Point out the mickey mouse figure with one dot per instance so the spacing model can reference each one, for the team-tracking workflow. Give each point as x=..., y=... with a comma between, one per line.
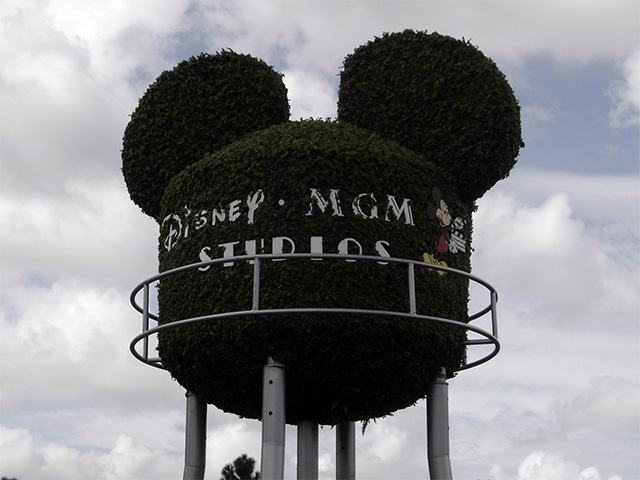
x=452, y=238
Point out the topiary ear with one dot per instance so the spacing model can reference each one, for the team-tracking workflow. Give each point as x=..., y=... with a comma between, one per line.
x=201, y=105
x=438, y=96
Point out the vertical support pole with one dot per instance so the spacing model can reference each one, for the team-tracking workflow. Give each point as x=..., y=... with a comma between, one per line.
x=494, y=313
x=438, y=428
x=273, y=421
x=145, y=321
x=195, y=438
x=346, y=451
x=255, y=303
x=412, y=290
x=307, y=450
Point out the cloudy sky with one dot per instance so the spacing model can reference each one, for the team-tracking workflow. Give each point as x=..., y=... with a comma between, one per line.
x=559, y=238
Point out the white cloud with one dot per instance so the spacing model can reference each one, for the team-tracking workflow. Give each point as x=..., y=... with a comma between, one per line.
x=574, y=31
x=625, y=94
x=122, y=37
x=562, y=251
x=18, y=451
x=310, y=95
x=282, y=32
x=81, y=333
x=92, y=232
x=607, y=405
x=558, y=262
x=66, y=88
x=229, y=438
x=26, y=457
x=325, y=464
x=537, y=118
x=385, y=443
x=541, y=465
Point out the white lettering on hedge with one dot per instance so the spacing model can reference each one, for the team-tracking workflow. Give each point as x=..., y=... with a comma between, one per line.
x=175, y=226
x=322, y=203
x=253, y=202
x=278, y=245
x=218, y=215
x=364, y=205
x=382, y=250
x=175, y=231
x=357, y=206
x=186, y=223
x=201, y=220
x=315, y=246
x=343, y=247
x=228, y=251
x=234, y=210
x=204, y=257
x=404, y=210
x=286, y=245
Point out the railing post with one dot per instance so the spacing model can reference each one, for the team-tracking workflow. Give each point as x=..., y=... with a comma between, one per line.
x=412, y=290
x=494, y=313
x=256, y=284
x=145, y=319
x=273, y=421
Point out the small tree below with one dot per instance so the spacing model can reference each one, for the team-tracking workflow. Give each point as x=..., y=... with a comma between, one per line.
x=242, y=468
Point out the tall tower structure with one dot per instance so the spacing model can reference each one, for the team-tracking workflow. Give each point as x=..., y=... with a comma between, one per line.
x=317, y=272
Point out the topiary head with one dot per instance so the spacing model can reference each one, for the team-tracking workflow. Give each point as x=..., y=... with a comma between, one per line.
x=438, y=96
x=198, y=107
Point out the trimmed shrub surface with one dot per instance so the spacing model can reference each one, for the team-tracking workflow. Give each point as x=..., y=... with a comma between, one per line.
x=338, y=368
x=198, y=107
x=436, y=95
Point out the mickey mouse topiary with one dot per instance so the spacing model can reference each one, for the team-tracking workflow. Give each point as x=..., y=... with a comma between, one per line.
x=271, y=186
x=439, y=96
x=199, y=106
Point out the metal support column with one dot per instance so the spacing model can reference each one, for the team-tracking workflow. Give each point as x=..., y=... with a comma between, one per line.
x=195, y=438
x=307, y=450
x=346, y=451
x=273, y=421
x=438, y=428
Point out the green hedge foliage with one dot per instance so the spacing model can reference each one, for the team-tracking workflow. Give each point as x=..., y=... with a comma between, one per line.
x=199, y=106
x=338, y=368
x=439, y=96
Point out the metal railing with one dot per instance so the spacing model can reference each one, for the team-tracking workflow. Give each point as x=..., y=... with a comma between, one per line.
x=488, y=338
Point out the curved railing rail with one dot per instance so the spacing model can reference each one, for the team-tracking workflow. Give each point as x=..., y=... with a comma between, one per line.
x=489, y=338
